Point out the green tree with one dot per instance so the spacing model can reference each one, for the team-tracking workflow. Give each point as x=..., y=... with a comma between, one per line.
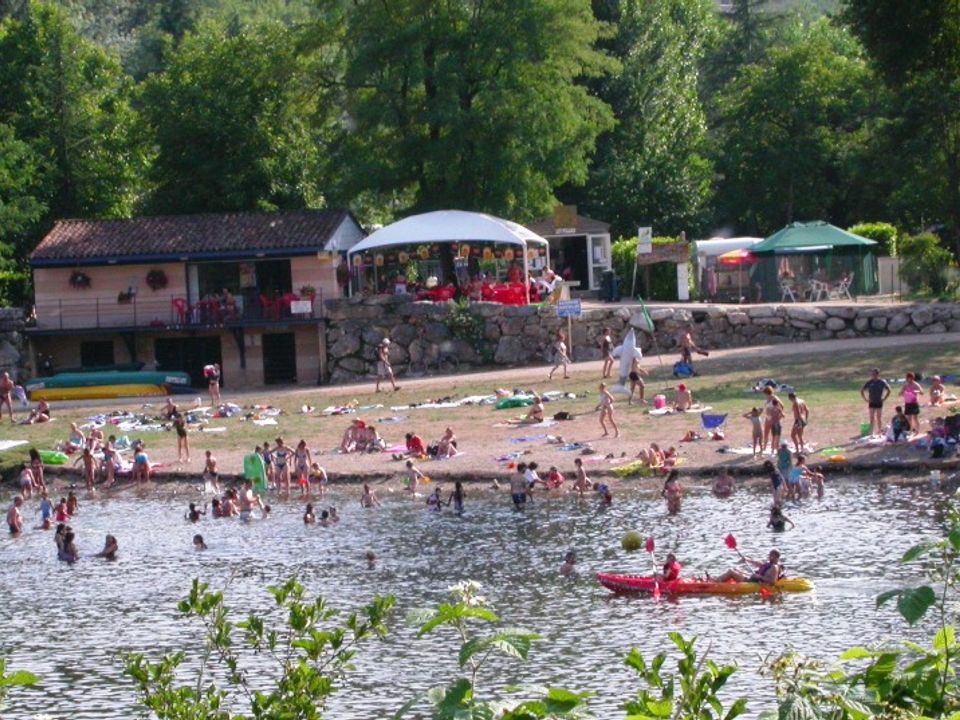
x=19, y=207
x=466, y=104
x=232, y=126
x=917, y=50
x=69, y=102
x=653, y=166
x=789, y=123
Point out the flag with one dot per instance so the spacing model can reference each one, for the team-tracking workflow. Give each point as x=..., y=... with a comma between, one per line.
x=648, y=321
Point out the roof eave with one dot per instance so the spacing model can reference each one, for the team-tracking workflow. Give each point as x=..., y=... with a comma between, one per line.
x=246, y=254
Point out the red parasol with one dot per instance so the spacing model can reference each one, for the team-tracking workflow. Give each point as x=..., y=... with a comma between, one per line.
x=736, y=258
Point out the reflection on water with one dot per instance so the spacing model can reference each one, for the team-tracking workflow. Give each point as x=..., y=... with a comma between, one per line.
x=68, y=624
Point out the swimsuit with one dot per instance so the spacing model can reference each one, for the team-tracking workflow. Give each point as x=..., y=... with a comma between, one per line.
x=635, y=376
x=519, y=498
x=794, y=477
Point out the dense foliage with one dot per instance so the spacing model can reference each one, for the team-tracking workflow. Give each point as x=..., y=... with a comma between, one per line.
x=672, y=113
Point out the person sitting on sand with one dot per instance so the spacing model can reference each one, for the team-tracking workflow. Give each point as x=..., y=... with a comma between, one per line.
x=684, y=399
x=352, y=436
x=447, y=444
x=724, y=484
x=75, y=441
x=110, y=548
x=40, y=414
x=370, y=440
x=535, y=413
x=415, y=448
x=652, y=458
x=764, y=572
x=937, y=391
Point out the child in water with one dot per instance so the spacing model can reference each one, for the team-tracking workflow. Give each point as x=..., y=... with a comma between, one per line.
x=778, y=521
x=193, y=515
x=434, y=501
x=456, y=498
x=756, y=429
x=569, y=566
x=673, y=492
x=198, y=543
x=308, y=517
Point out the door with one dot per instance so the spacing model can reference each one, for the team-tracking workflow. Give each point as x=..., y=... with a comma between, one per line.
x=279, y=359
x=599, y=256
x=96, y=353
x=189, y=355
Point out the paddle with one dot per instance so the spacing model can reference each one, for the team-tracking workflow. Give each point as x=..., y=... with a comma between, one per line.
x=649, y=545
x=731, y=543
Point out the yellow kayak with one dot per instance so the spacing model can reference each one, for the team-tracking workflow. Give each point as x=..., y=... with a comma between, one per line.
x=97, y=392
x=697, y=586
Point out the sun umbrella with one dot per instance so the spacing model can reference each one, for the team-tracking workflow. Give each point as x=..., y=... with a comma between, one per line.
x=738, y=259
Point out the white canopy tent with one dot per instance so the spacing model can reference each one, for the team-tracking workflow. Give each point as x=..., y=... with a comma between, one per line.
x=450, y=226
x=707, y=254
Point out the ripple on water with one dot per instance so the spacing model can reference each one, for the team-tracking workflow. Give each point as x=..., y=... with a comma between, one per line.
x=70, y=624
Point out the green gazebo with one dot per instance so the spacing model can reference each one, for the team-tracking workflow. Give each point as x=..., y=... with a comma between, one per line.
x=802, y=252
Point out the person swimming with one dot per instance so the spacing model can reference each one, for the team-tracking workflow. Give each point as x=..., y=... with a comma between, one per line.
x=110, y=548
x=193, y=515
x=569, y=566
x=198, y=543
x=308, y=517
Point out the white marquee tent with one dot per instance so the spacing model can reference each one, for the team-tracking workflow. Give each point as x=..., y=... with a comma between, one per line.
x=450, y=226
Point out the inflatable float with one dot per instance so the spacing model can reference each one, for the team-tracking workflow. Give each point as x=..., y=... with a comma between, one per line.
x=695, y=586
x=97, y=392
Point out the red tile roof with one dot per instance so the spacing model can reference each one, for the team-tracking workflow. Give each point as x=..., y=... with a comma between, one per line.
x=149, y=239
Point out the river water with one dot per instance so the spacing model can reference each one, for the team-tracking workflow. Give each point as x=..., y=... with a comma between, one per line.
x=69, y=624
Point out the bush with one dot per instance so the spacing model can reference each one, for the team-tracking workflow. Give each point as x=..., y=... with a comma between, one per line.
x=925, y=264
x=14, y=288
x=883, y=233
x=663, y=276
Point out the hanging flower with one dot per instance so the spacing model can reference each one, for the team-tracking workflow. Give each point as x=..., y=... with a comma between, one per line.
x=508, y=254
x=423, y=252
x=79, y=280
x=156, y=279
x=378, y=260
x=404, y=257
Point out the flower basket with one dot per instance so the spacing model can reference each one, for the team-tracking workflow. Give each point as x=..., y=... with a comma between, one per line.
x=79, y=280
x=125, y=297
x=308, y=291
x=157, y=280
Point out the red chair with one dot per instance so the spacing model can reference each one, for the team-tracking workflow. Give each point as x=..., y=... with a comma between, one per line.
x=181, y=308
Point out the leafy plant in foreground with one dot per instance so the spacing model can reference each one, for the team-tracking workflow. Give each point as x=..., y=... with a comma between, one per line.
x=16, y=678
x=903, y=681
x=458, y=700
x=691, y=693
x=309, y=656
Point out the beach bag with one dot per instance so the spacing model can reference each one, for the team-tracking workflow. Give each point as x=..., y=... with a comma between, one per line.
x=562, y=415
x=682, y=370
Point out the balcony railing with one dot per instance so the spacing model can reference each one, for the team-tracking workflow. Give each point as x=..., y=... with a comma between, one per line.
x=173, y=312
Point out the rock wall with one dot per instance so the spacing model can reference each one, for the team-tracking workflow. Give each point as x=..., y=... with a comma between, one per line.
x=14, y=356
x=423, y=334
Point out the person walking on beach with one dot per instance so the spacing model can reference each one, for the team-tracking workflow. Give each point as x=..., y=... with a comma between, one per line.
x=688, y=346
x=560, y=357
x=384, y=369
x=636, y=381
x=874, y=392
x=606, y=352
x=606, y=411
x=911, y=392
x=6, y=395
x=801, y=416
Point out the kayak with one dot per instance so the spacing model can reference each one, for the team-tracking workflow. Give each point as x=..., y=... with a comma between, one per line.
x=142, y=377
x=97, y=392
x=695, y=586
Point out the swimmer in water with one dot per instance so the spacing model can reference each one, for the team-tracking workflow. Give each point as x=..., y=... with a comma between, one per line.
x=434, y=501
x=334, y=517
x=569, y=567
x=308, y=517
x=456, y=498
x=14, y=519
x=325, y=518
x=371, y=559
x=69, y=552
x=778, y=521
x=193, y=515
x=368, y=498
x=46, y=512
x=110, y=548
x=198, y=543
x=73, y=505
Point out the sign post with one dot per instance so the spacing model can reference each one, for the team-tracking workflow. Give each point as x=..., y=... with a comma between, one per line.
x=644, y=247
x=569, y=309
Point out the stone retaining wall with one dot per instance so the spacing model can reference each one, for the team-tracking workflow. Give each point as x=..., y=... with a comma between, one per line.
x=510, y=335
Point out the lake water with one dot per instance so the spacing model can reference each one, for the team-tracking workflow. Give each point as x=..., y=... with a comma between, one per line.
x=68, y=624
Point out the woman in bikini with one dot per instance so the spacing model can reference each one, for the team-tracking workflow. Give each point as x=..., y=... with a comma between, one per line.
x=281, y=458
x=773, y=415
x=911, y=392
x=606, y=411
x=303, y=461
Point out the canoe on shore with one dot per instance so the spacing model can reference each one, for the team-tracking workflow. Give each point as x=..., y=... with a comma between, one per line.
x=97, y=392
x=108, y=378
x=620, y=583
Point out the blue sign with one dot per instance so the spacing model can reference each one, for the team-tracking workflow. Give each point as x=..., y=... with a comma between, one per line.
x=569, y=308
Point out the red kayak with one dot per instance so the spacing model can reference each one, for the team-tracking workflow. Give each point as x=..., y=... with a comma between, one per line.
x=620, y=583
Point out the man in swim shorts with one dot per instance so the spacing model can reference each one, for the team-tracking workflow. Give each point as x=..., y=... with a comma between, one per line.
x=384, y=369
x=248, y=500
x=764, y=572
x=14, y=519
x=874, y=392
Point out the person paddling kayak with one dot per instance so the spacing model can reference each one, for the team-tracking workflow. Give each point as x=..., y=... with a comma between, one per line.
x=765, y=572
x=671, y=569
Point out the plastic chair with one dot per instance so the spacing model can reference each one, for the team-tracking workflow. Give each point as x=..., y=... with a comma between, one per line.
x=786, y=291
x=713, y=423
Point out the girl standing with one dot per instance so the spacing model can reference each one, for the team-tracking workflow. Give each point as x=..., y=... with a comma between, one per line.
x=606, y=411
x=911, y=392
x=673, y=492
x=281, y=458
x=303, y=460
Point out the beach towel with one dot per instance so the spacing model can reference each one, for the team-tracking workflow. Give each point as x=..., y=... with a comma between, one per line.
x=393, y=419
x=527, y=438
x=9, y=444
x=744, y=450
x=637, y=467
x=264, y=421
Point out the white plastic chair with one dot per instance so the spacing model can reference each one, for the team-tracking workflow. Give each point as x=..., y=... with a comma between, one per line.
x=786, y=291
x=842, y=288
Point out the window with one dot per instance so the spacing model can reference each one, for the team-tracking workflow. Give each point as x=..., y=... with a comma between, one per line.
x=96, y=353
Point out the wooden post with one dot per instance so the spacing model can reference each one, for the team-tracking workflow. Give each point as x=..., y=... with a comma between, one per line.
x=570, y=337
